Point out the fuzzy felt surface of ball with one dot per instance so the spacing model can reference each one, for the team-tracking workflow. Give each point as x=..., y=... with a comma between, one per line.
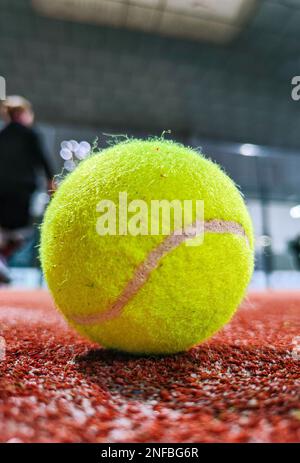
x=145, y=293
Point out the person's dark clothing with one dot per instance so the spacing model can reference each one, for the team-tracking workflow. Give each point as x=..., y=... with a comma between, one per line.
x=14, y=210
x=21, y=157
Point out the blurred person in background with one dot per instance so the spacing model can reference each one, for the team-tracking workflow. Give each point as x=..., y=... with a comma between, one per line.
x=294, y=246
x=22, y=157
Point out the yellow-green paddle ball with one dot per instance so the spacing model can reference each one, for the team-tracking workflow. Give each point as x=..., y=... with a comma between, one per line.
x=146, y=293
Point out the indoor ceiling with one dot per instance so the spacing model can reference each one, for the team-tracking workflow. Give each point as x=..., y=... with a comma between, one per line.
x=213, y=20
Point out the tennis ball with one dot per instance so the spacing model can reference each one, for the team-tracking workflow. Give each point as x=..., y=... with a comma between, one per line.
x=146, y=293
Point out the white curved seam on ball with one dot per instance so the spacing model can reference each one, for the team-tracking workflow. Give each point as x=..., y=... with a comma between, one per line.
x=144, y=270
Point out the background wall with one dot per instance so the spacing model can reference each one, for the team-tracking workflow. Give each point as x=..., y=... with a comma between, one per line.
x=104, y=77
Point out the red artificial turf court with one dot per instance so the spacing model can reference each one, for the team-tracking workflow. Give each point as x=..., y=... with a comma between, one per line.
x=241, y=386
